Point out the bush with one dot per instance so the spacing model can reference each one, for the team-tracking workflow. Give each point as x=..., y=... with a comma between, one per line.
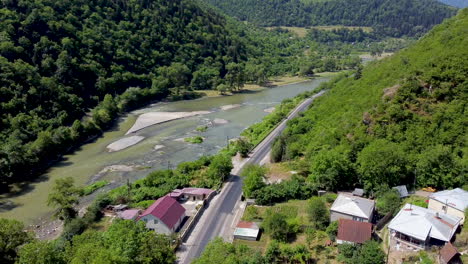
x=93, y=187
x=332, y=230
x=388, y=202
x=318, y=213
x=194, y=140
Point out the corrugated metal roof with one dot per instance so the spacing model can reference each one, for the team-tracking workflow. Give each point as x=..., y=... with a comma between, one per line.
x=448, y=252
x=456, y=198
x=166, y=209
x=352, y=205
x=246, y=232
x=421, y=222
x=402, y=190
x=245, y=224
x=354, y=231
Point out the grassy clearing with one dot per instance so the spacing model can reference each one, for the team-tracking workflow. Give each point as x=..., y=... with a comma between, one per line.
x=278, y=171
x=299, y=31
x=330, y=28
x=273, y=82
x=94, y=187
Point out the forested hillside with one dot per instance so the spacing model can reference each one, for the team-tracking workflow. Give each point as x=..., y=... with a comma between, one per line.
x=402, y=120
x=456, y=3
x=388, y=17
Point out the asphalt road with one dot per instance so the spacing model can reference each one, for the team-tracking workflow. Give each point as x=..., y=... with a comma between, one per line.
x=218, y=219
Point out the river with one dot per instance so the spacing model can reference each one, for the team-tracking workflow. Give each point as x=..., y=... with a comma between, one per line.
x=85, y=164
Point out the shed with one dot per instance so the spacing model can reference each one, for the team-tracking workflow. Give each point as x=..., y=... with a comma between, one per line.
x=402, y=191
x=247, y=231
x=449, y=255
x=358, y=192
x=130, y=214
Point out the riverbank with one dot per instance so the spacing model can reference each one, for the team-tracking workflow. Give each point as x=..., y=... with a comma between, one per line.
x=274, y=82
x=87, y=163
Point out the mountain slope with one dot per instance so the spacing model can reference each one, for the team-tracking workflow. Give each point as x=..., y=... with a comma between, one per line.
x=60, y=59
x=388, y=17
x=403, y=121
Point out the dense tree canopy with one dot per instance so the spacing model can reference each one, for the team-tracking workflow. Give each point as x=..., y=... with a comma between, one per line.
x=402, y=122
x=387, y=17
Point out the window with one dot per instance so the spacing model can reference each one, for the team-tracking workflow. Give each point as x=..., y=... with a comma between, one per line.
x=444, y=208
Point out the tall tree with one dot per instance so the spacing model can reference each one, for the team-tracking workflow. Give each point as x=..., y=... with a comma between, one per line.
x=64, y=197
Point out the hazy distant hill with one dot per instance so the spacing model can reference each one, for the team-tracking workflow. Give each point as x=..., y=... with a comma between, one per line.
x=456, y=3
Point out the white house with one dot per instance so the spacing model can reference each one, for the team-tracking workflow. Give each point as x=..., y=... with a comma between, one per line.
x=353, y=208
x=418, y=228
x=453, y=202
x=164, y=216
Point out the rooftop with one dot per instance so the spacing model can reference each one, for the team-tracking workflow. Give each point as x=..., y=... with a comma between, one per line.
x=247, y=229
x=448, y=252
x=166, y=209
x=352, y=205
x=421, y=222
x=129, y=214
x=402, y=191
x=456, y=198
x=354, y=231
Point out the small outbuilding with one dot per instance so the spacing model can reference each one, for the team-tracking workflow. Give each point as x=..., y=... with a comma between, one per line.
x=353, y=232
x=130, y=214
x=192, y=194
x=358, y=192
x=402, y=191
x=449, y=255
x=247, y=231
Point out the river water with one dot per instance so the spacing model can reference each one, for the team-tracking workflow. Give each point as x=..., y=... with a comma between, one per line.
x=85, y=164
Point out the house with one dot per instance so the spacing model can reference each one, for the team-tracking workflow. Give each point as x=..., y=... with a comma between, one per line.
x=164, y=216
x=453, y=202
x=353, y=232
x=130, y=214
x=402, y=191
x=352, y=207
x=247, y=231
x=191, y=194
x=418, y=228
x=449, y=255
x=358, y=192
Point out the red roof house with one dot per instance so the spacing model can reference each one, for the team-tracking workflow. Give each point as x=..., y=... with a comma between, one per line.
x=350, y=231
x=164, y=216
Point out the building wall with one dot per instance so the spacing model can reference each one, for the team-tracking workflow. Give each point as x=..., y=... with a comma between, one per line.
x=157, y=225
x=339, y=241
x=438, y=206
x=335, y=216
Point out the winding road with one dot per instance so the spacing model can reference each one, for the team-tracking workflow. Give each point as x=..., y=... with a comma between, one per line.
x=220, y=218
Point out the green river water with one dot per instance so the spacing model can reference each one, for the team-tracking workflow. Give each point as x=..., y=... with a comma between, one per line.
x=84, y=165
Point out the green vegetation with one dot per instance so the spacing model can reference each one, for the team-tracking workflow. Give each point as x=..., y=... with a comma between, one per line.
x=253, y=179
x=318, y=213
x=64, y=197
x=194, y=140
x=202, y=128
x=219, y=251
x=368, y=253
x=66, y=78
x=403, y=119
x=388, y=202
x=387, y=17
x=124, y=242
x=94, y=187
x=12, y=237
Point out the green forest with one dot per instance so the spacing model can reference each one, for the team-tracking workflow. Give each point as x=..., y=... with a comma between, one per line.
x=401, y=120
x=69, y=68
x=394, y=18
